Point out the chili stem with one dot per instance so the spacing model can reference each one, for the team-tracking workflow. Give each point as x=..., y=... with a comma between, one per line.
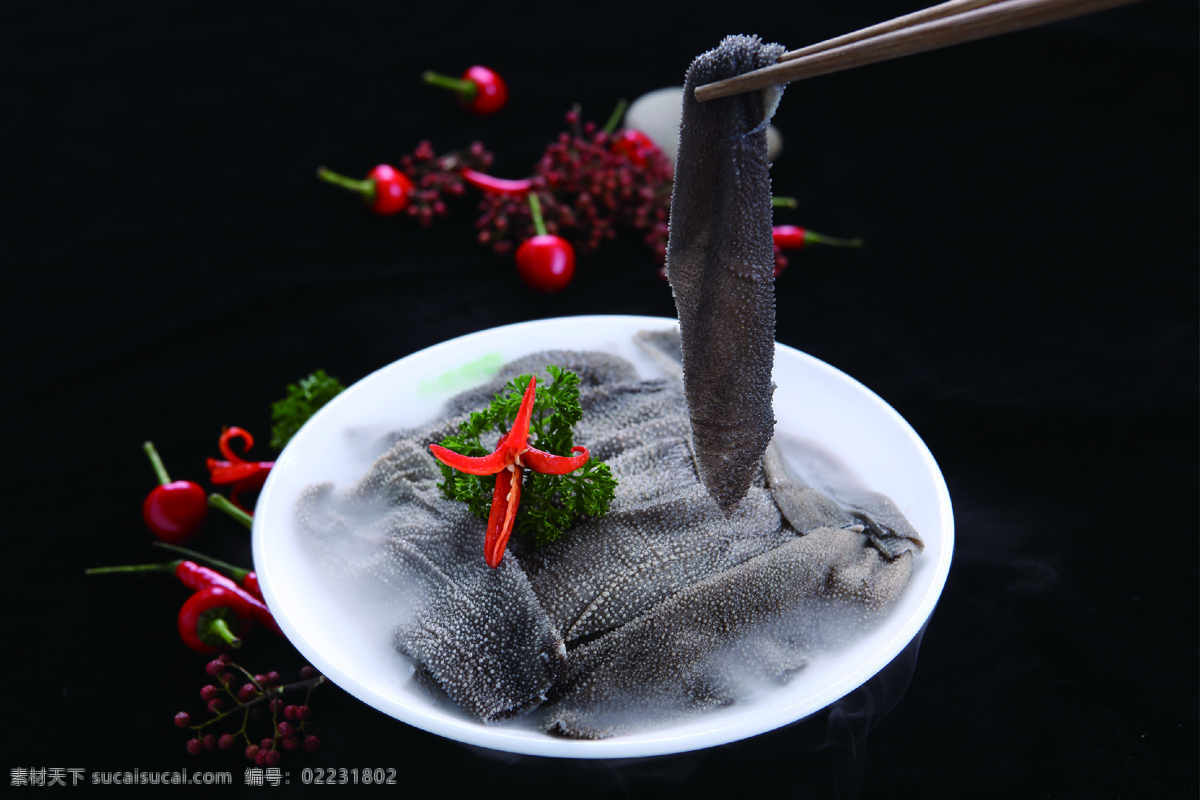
x=222, y=503
x=238, y=573
x=364, y=187
x=535, y=208
x=816, y=238
x=784, y=202
x=132, y=568
x=464, y=87
x=159, y=469
x=615, y=119
x=220, y=628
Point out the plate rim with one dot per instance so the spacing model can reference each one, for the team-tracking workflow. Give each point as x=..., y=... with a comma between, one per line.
x=650, y=743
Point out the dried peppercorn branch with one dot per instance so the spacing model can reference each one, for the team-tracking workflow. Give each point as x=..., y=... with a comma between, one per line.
x=287, y=735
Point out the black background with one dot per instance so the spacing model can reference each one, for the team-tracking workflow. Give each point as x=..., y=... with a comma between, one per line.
x=1027, y=300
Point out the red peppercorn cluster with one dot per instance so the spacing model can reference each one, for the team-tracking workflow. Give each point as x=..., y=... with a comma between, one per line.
x=436, y=178
x=588, y=187
x=258, y=699
x=587, y=184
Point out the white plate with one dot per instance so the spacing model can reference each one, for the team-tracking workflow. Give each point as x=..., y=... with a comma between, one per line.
x=813, y=401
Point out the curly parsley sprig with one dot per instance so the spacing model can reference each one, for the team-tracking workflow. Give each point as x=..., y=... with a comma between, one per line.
x=550, y=504
x=302, y=401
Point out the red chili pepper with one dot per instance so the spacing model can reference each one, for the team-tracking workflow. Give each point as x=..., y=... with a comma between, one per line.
x=214, y=619
x=492, y=185
x=791, y=237
x=250, y=584
x=546, y=262
x=479, y=89
x=248, y=579
x=175, y=510
x=195, y=576
x=634, y=145
x=506, y=462
x=244, y=476
x=385, y=190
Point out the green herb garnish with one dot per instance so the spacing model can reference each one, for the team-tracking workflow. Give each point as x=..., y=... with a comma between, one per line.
x=302, y=401
x=550, y=504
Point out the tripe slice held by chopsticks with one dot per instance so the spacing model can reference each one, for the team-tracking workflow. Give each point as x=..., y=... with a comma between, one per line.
x=720, y=262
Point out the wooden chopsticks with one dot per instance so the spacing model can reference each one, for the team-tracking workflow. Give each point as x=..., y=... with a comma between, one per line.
x=939, y=26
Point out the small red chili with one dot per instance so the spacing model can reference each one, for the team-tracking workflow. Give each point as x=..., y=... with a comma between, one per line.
x=507, y=462
x=248, y=579
x=174, y=510
x=242, y=475
x=479, y=89
x=496, y=185
x=791, y=237
x=195, y=576
x=385, y=190
x=214, y=619
x=546, y=262
x=634, y=145
x=250, y=584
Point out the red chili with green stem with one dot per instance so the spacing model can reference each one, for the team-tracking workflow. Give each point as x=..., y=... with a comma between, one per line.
x=385, y=190
x=633, y=144
x=479, y=89
x=246, y=578
x=792, y=237
x=174, y=510
x=195, y=576
x=546, y=262
x=262, y=690
x=214, y=619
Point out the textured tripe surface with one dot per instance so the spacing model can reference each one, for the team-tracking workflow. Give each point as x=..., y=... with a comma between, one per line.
x=663, y=608
x=720, y=261
x=717, y=641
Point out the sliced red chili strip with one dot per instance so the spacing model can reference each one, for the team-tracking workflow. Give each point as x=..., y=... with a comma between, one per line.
x=505, y=500
x=496, y=185
x=550, y=464
x=518, y=437
x=227, y=436
x=472, y=465
x=238, y=472
x=511, y=455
